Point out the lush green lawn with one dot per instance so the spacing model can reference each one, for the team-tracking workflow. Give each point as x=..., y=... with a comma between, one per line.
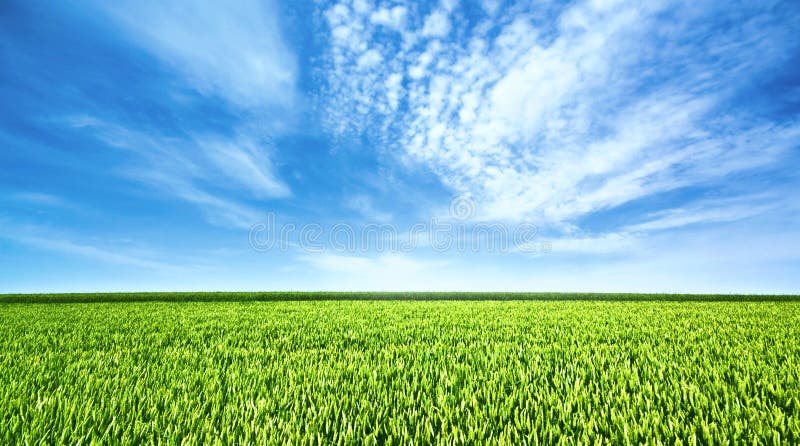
x=520, y=371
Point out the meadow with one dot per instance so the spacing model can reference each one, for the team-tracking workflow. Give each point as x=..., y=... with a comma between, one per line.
x=274, y=368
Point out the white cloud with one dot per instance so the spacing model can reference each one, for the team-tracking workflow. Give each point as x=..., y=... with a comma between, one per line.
x=550, y=125
x=708, y=211
x=369, y=59
x=235, y=51
x=57, y=241
x=639, y=237
x=244, y=161
x=449, y=5
x=364, y=205
x=218, y=209
x=184, y=167
x=437, y=24
x=394, y=18
x=39, y=198
x=490, y=6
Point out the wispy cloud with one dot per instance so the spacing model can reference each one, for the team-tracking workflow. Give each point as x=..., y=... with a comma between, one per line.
x=39, y=198
x=602, y=104
x=364, y=205
x=234, y=55
x=709, y=211
x=245, y=161
x=48, y=239
x=218, y=209
x=186, y=168
x=633, y=238
x=234, y=51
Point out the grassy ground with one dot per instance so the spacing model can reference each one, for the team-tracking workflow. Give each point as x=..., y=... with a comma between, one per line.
x=514, y=371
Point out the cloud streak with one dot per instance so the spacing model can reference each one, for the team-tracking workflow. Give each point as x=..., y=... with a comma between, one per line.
x=232, y=51
x=197, y=169
x=722, y=210
x=31, y=235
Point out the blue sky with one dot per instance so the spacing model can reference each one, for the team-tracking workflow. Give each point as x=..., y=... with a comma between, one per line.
x=653, y=146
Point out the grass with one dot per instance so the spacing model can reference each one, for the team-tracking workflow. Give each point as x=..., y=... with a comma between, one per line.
x=263, y=368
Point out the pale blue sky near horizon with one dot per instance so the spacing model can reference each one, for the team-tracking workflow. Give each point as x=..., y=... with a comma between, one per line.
x=652, y=145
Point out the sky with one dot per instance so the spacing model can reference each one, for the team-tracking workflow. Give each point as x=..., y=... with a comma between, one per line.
x=603, y=145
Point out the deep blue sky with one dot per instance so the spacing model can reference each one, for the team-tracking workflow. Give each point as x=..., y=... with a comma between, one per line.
x=652, y=145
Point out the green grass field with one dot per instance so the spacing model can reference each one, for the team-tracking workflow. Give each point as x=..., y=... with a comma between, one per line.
x=277, y=368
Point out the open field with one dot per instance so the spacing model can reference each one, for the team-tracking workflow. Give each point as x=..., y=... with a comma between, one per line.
x=273, y=368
